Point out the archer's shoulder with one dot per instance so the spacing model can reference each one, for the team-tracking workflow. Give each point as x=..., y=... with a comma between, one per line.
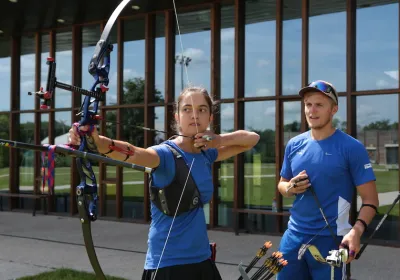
x=162, y=148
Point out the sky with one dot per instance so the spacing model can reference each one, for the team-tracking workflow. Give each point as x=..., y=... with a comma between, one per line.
x=377, y=65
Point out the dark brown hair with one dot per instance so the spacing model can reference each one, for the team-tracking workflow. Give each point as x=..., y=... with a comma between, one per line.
x=210, y=102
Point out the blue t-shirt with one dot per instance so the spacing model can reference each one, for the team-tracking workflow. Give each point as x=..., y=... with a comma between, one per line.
x=335, y=166
x=188, y=241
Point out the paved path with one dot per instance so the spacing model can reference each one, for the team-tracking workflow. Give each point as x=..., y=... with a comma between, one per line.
x=30, y=245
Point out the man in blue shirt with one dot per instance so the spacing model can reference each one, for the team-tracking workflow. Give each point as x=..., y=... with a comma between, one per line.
x=335, y=165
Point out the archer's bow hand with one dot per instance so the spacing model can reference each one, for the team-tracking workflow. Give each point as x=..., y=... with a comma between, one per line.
x=351, y=241
x=76, y=132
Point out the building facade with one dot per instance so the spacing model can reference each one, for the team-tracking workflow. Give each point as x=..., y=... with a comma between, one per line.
x=253, y=56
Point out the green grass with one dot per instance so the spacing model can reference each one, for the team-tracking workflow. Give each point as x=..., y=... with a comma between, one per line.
x=66, y=274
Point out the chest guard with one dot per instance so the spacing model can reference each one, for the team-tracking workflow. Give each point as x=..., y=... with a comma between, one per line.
x=167, y=198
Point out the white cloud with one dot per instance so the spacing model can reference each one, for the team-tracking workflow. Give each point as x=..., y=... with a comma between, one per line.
x=263, y=92
x=367, y=114
x=392, y=74
x=227, y=35
x=228, y=113
x=128, y=74
x=382, y=83
x=226, y=58
x=270, y=111
x=198, y=56
x=262, y=62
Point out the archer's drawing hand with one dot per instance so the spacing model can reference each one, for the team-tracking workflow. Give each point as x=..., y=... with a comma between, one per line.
x=207, y=140
x=76, y=131
x=299, y=183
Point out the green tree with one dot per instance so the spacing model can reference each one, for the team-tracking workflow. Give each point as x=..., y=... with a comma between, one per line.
x=134, y=90
x=381, y=125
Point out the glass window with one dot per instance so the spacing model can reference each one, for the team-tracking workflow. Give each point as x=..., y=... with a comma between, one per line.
x=225, y=190
x=134, y=61
x=291, y=47
x=133, y=184
x=291, y=128
x=159, y=119
x=27, y=78
x=340, y=119
x=4, y=156
x=160, y=58
x=63, y=171
x=26, y=133
x=44, y=68
x=113, y=73
x=377, y=44
x=260, y=48
x=64, y=68
x=5, y=73
x=108, y=190
x=377, y=129
x=227, y=51
x=259, y=185
x=193, y=65
x=90, y=36
x=26, y=159
x=327, y=51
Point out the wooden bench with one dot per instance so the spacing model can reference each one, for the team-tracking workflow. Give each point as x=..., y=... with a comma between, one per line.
x=36, y=197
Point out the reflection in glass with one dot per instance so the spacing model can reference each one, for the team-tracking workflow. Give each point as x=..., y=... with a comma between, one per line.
x=260, y=48
x=259, y=166
x=377, y=41
x=90, y=36
x=133, y=184
x=291, y=128
x=327, y=52
x=377, y=129
x=64, y=68
x=26, y=163
x=113, y=74
x=291, y=47
x=27, y=80
x=5, y=73
x=193, y=65
x=4, y=156
x=44, y=68
x=108, y=190
x=160, y=56
x=225, y=190
x=340, y=119
x=227, y=51
x=63, y=171
x=159, y=119
x=134, y=61
x=260, y=161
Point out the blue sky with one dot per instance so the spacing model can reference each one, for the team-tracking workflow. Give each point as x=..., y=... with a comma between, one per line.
x=377, y=65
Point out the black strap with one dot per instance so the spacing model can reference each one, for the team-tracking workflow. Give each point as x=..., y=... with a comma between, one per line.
x=370, y=205
x=364, y=224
